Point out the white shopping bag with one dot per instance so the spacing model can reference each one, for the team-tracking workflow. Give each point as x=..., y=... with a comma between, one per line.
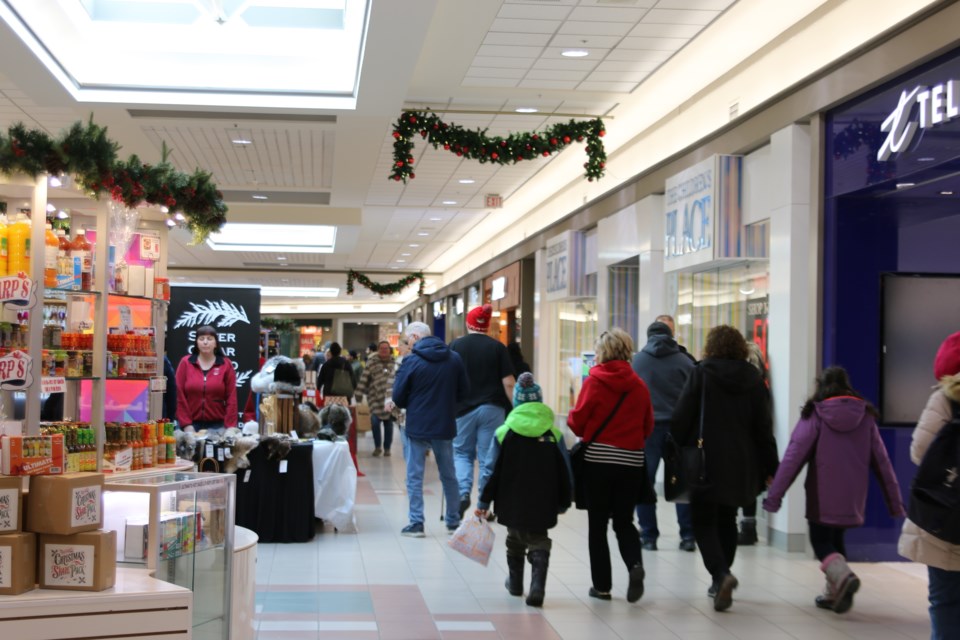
x=474, y=539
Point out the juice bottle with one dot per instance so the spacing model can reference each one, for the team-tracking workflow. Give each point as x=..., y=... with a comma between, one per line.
x=149, y=446
x=18, y=246
x=171, y=443
x=3, y=245
x=50, y=249
x=83, y=250
x=160, y=439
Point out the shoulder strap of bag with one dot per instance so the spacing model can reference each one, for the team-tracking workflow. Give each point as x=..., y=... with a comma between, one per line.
x=703, y=398
x=609, y=418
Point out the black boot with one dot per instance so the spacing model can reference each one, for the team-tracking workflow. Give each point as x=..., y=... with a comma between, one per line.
x=748, y=532
x=514, y=582
x=539, y=561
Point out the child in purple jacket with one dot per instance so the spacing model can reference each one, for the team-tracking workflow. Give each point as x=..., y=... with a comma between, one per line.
x=838, y=436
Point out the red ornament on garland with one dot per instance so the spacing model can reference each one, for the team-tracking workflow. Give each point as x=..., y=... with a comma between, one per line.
x=566, y=139
x=396, y=135
x=494, y=155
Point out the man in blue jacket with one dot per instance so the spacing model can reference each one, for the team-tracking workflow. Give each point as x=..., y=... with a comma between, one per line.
x=429, y=384
x=665, y=368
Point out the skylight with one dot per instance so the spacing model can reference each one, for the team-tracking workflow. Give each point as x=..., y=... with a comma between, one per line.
x=283, y=238
x=299, y=292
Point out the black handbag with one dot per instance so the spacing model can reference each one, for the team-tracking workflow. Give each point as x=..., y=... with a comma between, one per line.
x=578, y=454
x=685, y=468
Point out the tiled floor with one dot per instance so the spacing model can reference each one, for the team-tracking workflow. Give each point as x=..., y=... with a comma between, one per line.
x=377, y=584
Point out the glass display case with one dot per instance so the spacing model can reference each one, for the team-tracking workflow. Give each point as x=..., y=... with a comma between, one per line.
x=180, y=526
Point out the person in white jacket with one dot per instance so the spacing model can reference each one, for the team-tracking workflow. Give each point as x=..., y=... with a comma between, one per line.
x=942, y=558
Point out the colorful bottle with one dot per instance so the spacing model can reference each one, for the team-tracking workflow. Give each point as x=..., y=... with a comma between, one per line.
x=4, y=250
x=149, y=446
x=50, y=249
x=171, y=443
x=83, y=250
x=18, y=246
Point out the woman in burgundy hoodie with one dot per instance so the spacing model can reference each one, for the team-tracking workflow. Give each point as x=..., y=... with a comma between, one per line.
x=614, y=467
x=838, y=436
x=206, y=386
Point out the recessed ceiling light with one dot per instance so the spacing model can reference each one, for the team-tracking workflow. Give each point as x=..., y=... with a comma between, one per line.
x=242, y=141
x=904, y=185
x=281, y=257
x=258, y=196
x=449, y=202
x=574, y=53
x=423, y=234
x=55, y=181
x=63, y=215
x=946, y=193
x=466, y=180
x=413, y=246
x=50, y=208
x=435, y=219
x=926, y=159
x=526, y=109
x=406, y=255
x=171, y=223
x=164, y=210
x=179, y=217
x=401, y=261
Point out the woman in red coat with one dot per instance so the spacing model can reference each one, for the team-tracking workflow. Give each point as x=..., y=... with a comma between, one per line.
x=614, y=466
x=206, y=386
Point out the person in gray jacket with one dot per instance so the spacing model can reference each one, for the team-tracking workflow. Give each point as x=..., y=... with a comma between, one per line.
x=665, y=369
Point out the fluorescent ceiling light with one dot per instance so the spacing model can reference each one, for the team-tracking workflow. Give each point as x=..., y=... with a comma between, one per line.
x=423, y=234
x=286, y=238
x=526, y=109
x=449, y=202
x=406, y=255
x=926, y=159
x=281, y=257
x=466, y=180
x=242, y=141
x=300, y=292
x=435, y=219
x=574, y=53
x=258, y=196
x=401, y=261
x=904, y=185
x=55, y=181
x=413, y=246
x=946, y=193
x=50, y=208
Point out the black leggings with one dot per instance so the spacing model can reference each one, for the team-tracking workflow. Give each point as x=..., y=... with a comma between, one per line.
x=715, y=528
x=826, y=540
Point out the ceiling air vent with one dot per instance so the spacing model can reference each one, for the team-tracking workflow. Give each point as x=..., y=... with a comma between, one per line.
x=286, y=266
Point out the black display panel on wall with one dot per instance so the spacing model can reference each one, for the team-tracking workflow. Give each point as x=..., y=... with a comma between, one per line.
x=233, y=311
x=918, y=311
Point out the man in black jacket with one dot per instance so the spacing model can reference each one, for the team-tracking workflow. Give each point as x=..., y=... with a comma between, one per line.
x=665, y=369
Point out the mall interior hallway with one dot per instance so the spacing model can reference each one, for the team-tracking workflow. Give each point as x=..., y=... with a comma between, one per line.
x=377, y=584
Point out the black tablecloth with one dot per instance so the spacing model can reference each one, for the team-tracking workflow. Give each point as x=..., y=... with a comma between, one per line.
x=278, y=507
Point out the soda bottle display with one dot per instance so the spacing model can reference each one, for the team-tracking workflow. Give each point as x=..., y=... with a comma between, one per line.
x=18, y=246
x=83, y=250
x=50, y=249
x=4, y=248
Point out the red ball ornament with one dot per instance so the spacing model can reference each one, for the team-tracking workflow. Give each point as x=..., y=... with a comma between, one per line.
x=494, y=155
x=579, y=138
x=409, y=160
x=396, y=135
x=529, y=147
x=413, y=120
x=399, y=163
x=602, y=133
x=546, y=153
x=534, y=137
x=603, y=164
x=503, y=143
x=423, y=133
x=566, y=139
x=446, y=147
x=459, y=154
x=553, y=141
x=412, y=175
x=435, y=126
x=397, y=177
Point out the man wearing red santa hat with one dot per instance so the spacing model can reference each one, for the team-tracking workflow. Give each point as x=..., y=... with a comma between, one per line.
x=486, y=406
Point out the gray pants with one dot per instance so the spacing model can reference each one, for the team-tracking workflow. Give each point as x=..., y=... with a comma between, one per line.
x=519, y=542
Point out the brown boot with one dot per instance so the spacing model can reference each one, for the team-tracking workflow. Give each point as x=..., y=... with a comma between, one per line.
x=842, y=580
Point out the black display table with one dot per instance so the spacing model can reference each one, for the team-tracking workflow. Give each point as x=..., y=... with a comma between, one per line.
x=277, y=506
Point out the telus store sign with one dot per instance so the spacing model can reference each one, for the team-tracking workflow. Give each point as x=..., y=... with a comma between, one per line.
x=919, y=108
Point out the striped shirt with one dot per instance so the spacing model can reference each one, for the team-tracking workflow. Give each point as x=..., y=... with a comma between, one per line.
x=609, y=454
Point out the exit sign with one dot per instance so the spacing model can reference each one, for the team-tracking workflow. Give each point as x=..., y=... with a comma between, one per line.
x=493, y=201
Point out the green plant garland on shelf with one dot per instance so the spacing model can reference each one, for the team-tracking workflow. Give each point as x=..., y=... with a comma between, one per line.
x=476, y=145
x=86, y=153
x=280, y=325
x=384, y=289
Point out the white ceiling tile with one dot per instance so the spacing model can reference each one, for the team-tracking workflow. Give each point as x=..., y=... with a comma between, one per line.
x=666, y=30
x=486, y=72
x=505, y=51
x=538, y=11
x=611, y=14
x=525, y=26
x=502, y=63
x=596, y=28
x=627, y=65
x=487, y=82
x=571, y=64
x=639, y=55
x=616, y=87
x=515, y=39
x=617, y=76
x=591, y=43
x=680, y=16
x=547, y=84
x=712, y=5
x=656, y=44
x=546, y=74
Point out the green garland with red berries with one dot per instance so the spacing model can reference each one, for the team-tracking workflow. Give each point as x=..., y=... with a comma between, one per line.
x=384, y=289
x=86, y=153
x=476, y=145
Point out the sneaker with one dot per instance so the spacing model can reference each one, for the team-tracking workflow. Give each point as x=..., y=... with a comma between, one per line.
x=599, y=595
x=649, y=545
x=377, y=452
x=712, y=590
x=464, y=504
x=451, y=528
x=635, y=586
x=724, y=598
x=688, y=545
x=386, y=453
x=413, y=530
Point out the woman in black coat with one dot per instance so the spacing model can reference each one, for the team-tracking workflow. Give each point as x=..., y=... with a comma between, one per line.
x=738, y=444
x=327, y=372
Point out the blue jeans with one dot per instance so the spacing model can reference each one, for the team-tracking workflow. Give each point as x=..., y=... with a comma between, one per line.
x=944, y=596
x=375, y=423
x=474, y=432
x=647, y=513
x=415, y=455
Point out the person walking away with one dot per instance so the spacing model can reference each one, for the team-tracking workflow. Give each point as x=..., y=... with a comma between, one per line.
x=665, y=370
x=941, y=557
x=613, y=397
x=487, y=403
x=529, y=486
x=748, y=523
x=429, y=384
x=327, y=376
x=837, y=436
x=206, y=386
x=727, y=399
x=516, y=357
x=376, y=382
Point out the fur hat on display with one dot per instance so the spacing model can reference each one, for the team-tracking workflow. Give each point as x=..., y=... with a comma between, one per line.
x=336, y=417
x=478, y=319
x=947, y=362
x=279, y=374
x=526, y=390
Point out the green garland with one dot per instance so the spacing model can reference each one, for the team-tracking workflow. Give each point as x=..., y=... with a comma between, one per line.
x=476, y=145
x=384, y=289
x=280, y=325
x=85, y=152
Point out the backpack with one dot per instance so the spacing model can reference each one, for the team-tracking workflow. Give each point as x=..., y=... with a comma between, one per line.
x=935, y=492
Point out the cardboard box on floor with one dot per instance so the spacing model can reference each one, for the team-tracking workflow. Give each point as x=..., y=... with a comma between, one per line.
x=18, y=563
x=81, y=562
x=11, y=504
x=64, y=505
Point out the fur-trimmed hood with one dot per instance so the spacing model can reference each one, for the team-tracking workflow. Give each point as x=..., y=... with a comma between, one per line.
x=950, y=385
x=267, y=380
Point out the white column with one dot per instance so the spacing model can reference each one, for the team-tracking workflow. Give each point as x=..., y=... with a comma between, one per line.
x=794, y=307
x=652, y=284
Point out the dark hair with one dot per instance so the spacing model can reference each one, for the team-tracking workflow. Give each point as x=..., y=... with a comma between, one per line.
x=373, y=346
x=335, y=349
x=833, y=382
x=353, y=353
x=206, y=330
x=377, y=346
x=725, y=342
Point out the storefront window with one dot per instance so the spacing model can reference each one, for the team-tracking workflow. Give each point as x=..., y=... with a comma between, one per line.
x=623, y=296
x=578, y=333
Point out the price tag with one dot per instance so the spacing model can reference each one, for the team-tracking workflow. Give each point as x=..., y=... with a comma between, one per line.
x=158, y=384
x=149, y=247
x=126, y=319
x=209, y=450
x=220, y=454
x=293, y=434
x=123, y=459
x=53, y=385
x=246, y=476
x=283, y=466
x=228, y=453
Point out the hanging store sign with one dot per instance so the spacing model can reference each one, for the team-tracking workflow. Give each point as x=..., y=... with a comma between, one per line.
x=15, y=371
x=564, y=266
x=919, y=108
x=703, y=213
x=19, y=290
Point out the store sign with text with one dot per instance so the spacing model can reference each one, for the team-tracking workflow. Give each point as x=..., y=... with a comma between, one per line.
x=702, y=213
x=919, y=108
x=564, y=265
x=15, y=371
x=19, y=290
x=234, y=312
